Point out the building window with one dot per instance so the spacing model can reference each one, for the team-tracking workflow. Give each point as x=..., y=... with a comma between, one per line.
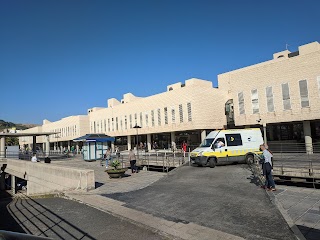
x=304, y=96
x=121, y=126
x=270, y=104
x=112, y=124
x=94, y=127
x=181, y=113
x=141, y=125
x=255, y=101
x=130, y=120
x=147, y=120
x=105, y=125
x=117, y=123
x=286, y=96
x=165, y=115
x=125, y=122
x=108, y=124
x=159, y=117
x=189, y=112
x=135, y=119
x=152, y=118
x=173, y=113
x=241, y=103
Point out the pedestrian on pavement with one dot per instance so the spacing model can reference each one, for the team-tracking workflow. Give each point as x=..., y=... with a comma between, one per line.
x=267, y=169
x=34, y=158
x=107, y=157
x=184, y=146
x=133, y=161
x=73, y=150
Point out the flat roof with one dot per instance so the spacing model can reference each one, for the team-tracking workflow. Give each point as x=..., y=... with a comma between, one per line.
x=26, y=134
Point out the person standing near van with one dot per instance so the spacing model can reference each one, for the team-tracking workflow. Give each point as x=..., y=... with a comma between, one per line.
x=133, y=161
x=267, y=169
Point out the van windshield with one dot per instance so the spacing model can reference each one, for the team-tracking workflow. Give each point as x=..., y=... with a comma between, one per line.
x=207, y=142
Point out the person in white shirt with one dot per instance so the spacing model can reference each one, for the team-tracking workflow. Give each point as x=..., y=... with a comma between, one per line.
x=267, y=169
x=34, y=158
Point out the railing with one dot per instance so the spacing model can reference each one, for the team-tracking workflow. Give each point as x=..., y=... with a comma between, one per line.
x=291, y=147
x=161, y=161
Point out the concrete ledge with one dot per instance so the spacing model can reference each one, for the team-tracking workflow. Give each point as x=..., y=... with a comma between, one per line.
x=49, y=178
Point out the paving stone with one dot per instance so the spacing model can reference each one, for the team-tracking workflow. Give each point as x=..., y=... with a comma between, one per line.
x=309, y=220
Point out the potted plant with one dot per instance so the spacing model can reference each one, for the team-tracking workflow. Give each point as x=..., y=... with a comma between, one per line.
x=116, y=171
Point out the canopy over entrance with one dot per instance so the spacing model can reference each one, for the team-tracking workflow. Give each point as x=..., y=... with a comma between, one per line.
x=94, y=138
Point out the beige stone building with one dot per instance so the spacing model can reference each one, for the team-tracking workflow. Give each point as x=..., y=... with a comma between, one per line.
x=283, y=94
x=183, y=113
x=68, y=128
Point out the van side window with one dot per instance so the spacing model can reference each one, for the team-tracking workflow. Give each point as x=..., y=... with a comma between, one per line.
x=234, y=140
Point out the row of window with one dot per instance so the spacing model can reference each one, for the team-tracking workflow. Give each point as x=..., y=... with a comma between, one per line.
x=286, y=101
x=143, y=119
x=65, y=132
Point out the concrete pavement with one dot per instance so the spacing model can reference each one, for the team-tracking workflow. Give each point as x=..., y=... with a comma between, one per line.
x=59, y=218
x=201, y=203
x=301, y=206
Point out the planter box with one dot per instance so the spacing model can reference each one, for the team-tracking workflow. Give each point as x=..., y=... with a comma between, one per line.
x=116, y=173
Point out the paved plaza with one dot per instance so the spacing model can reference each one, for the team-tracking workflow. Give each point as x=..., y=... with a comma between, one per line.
x=301, y=207
x=188, y=203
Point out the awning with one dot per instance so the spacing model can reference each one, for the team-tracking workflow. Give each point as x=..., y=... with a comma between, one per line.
x=94, y=138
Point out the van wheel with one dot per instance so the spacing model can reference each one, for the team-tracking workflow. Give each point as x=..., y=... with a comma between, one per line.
x=250, y=159
x=212, y=162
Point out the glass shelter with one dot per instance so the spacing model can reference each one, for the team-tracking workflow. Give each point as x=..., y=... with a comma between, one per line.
x=94, y=145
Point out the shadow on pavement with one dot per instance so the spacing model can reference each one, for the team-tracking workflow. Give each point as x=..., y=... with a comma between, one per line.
x=309, y=233
x=7, y=221
x=26, y=213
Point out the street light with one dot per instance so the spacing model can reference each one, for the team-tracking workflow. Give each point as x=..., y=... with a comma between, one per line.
x=137, y=127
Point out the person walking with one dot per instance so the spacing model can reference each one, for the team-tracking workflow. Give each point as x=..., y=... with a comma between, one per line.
x=133, y=161
x=184, y=146
x=267, y=169
x=107, y=157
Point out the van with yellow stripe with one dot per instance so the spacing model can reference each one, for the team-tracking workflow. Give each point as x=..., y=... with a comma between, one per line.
x=228, y=146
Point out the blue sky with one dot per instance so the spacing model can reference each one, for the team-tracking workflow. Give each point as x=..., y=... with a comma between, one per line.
x=59, y=58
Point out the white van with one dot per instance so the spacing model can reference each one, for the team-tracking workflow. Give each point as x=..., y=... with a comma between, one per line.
x=223, y=146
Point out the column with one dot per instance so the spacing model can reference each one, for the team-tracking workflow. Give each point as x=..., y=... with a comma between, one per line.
x=173, y=141
x=112, y=146
x=265, y=133
x=69, y=146
x=307, y=137
x=129, y=142
x=203, y=135
x=3, y=147
x=47, y=145
x=149, y=141
x=2, y=178
x=77, y=147
x=34, y=144
x=13, y=184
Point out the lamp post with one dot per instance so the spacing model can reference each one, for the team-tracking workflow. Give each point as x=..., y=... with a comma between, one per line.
x=137, y=127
